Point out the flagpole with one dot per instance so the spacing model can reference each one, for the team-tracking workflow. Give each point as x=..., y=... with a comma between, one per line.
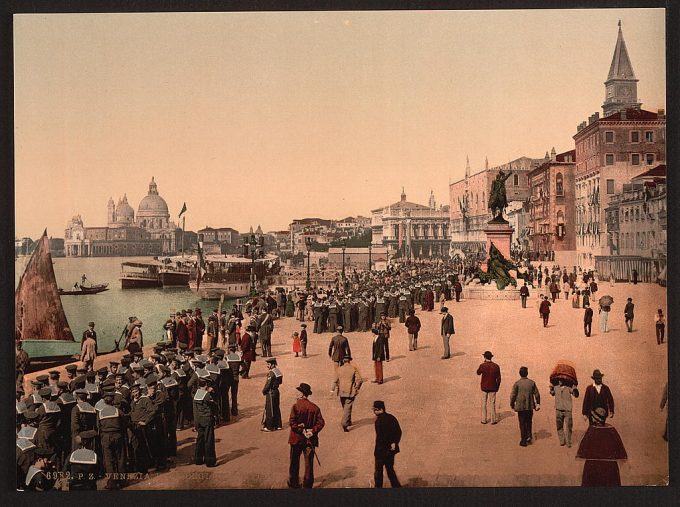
x=183, y=222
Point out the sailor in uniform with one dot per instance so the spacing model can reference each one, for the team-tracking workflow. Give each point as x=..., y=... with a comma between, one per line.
x=205, y=411
x=225, y=375
x=83, y=416
x=49, y=415
x=82, y=464
x=112, y=431
x=66, y=402
x=37, y=476
x=235, y=363
x=271, y=419
x=171, y=387
x=29, y=428
x=25, y=452
x=318, y=316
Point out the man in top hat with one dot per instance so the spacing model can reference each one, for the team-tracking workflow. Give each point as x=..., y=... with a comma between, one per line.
x=597, y=395
x=271, y=419
x=490, y=383
x=387, y=437
x=205, y=412
x=305, y=423
x=446, y=331
x=524, y=399
x=82, y=464
x=347, y=384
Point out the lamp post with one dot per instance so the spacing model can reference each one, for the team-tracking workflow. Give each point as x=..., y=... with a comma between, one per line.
x=344, y=245
x=252, y=243
x=369, y=257
x=308, y=244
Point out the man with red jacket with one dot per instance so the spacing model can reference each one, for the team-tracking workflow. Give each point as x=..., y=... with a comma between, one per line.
x=305, y=424
x=412, y=326
x=248, y=350
x=491, y=382
x=182, y=331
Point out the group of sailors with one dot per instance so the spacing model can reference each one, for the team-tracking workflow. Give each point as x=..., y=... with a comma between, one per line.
x=120, y=421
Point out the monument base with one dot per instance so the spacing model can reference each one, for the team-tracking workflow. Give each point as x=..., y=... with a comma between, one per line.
x=500, y=234
x=490, y=292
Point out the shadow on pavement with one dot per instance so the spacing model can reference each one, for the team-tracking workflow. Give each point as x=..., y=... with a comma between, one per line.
x=456, y=354
x=393, y=377
x=232, y=455
x=394, y=358
x=361, y=422
x=541, y=434
x=505, y=415
x=344, y=473
x=416, y=482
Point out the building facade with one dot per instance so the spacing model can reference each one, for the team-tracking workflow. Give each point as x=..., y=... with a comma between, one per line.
x=221, y=240
x=468, y=198
x=151, y=232
x=552, y=209
x=356, y=257
x=411, y=230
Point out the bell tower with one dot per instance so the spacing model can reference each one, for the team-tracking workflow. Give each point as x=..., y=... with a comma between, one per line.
x=621, y=84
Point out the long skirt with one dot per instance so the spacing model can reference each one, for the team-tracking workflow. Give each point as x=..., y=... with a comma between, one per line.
x=272, y=412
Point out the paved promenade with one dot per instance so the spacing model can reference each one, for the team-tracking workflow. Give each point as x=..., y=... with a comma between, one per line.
x=438, y=402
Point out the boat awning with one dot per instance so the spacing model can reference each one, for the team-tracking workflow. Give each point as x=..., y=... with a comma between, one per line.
x=140, y=264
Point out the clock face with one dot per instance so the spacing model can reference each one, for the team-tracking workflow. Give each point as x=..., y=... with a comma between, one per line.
x=624, y=91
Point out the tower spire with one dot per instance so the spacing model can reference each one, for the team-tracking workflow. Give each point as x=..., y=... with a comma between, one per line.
x=621, y=83
x=467, y=167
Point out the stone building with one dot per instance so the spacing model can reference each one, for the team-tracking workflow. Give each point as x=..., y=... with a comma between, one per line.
x=552, y=209
x=637, y=227
x=411, y=230
x=468, y=198
x=221, y=240
x=610, y=151
x=316, y=229
x=356, y=257
x=151, y=232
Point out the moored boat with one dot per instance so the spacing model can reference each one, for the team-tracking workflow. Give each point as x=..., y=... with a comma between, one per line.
x=40, y=322
x=155, y=273
x=84, y=291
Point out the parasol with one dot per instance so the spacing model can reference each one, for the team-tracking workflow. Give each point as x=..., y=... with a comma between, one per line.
x=606, y=301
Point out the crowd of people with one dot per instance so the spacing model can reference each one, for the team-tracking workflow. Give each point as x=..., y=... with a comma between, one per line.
x=120, y=422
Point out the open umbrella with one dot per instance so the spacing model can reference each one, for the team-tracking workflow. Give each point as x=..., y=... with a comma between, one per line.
x=606, y=301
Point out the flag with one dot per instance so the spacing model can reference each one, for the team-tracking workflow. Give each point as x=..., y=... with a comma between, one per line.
x=184, y=210
x=200, y=266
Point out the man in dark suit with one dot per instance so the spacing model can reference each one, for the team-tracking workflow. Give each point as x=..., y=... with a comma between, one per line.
x=524, y=294
x=339, y=347
x=524, y=399
x=587, y=319
x=387, y=437
x=305, y=424
x=597, y=395
x=446, y=331
x=629, y=315
x=544, y=310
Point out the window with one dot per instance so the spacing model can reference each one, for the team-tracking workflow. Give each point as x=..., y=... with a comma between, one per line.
x=649, y=158
x=610, y=186
x=559, y=184
x=649, y=136
x=635, y=136
x=515, y=180
x=635, y=158
x=637, y=214
x=609, y=137
x=609, y=159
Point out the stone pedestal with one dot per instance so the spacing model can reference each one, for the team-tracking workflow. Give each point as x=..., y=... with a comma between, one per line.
x=500, y=234
x=490, y=292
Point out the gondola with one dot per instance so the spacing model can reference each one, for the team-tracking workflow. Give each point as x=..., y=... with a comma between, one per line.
x=85, y=291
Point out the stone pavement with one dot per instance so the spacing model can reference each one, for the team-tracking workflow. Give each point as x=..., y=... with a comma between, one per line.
x=437, y=402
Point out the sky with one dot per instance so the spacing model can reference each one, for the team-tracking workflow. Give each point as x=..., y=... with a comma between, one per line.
x=262, y=118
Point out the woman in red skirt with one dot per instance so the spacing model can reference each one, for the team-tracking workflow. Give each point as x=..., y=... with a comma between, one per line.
x=296, y=344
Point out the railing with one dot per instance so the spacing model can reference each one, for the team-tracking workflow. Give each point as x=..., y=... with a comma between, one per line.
x=145, y=276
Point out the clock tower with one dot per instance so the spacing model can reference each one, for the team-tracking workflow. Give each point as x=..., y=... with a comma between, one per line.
x=621, y=84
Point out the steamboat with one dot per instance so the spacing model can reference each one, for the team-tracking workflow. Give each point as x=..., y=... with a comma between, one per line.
x=168, y=272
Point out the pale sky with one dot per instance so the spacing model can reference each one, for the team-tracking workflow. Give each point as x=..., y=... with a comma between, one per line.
x=260, y=118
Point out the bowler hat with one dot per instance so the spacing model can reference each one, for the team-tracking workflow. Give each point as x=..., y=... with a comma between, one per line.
x=444, y=310
x=487, y=355
x=379, y=404
x=597, y=374
x=304, y=389
x=599, y=415
x=303, y=325
x=90, y=324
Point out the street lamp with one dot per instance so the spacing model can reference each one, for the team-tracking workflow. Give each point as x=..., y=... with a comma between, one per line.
x=369, y=257
x=252, y=243
x=344, y=245
x=308, y=244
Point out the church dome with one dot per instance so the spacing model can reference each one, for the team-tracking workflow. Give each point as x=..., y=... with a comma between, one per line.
x=124, y=212
x=153, y=204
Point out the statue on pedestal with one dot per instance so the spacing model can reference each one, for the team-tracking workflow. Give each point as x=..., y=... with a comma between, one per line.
x=498, y=270
x=498, y=200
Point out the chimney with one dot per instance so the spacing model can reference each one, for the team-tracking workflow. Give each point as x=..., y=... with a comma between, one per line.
x=623, y=114
x=661, y=114
x=597, y=116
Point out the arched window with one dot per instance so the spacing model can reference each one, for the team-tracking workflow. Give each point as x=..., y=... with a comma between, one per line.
x=560, y=217
x=559, y=184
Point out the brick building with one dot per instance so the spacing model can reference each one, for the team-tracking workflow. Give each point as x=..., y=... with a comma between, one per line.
x=552, y=208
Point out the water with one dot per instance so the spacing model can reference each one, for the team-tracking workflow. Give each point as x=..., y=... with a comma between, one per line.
x=110, y=310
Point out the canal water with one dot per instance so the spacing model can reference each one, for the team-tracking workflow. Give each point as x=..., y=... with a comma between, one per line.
x=110, y=310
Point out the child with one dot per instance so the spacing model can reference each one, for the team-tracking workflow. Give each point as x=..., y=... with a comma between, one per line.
x=303, y=339
x=296, y=343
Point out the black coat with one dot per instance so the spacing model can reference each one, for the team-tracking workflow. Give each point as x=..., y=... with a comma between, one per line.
x=387, y=432
x=447, y=324
x=379, y=348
